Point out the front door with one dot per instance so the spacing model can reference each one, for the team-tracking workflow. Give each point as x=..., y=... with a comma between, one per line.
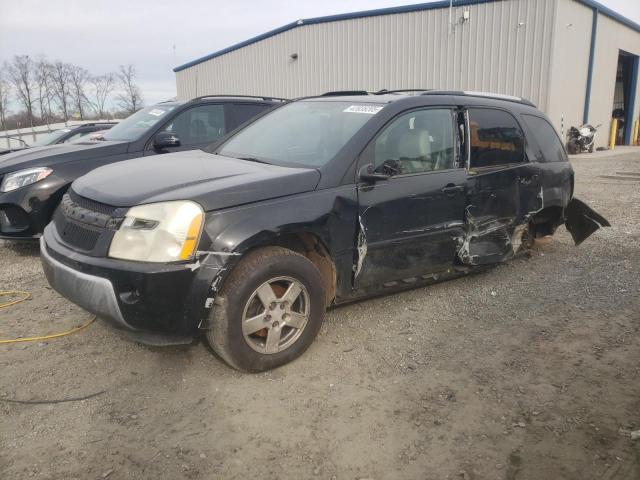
x=196, y=127
x=410, y=223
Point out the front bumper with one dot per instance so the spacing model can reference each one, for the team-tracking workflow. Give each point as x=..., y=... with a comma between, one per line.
x=136, y=296
x=94, y=294
x=26, y=211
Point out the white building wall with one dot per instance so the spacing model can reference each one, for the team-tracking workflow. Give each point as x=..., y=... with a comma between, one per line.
x=570, y=64
x=612, y=37
x=505, y=47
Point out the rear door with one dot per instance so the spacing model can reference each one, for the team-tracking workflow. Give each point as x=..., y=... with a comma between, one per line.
x=409, y=223
x=503, y=187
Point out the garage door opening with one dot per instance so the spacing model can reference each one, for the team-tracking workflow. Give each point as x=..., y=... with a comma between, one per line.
x=624, y=96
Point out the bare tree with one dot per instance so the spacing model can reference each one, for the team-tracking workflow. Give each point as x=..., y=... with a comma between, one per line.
x=44, y=89
x=101, y=86
x=130, y=99
x=60, y=73
x=78, y=77
x=4, y=101
x=21, y=74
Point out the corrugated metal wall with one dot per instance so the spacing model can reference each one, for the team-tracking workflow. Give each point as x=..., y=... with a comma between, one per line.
x=570, y=63
x=505, y=47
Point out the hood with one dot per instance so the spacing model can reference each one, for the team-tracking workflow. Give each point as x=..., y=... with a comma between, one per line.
x=51, y=155
x=212, y=180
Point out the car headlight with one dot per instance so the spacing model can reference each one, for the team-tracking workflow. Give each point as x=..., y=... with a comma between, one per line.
x=159, y=232
x=22, y=178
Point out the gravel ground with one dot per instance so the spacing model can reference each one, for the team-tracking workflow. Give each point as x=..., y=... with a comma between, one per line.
x=529, y=371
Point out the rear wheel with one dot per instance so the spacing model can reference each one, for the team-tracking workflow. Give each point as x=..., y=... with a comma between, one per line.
x=269, y=311
x=573, y=146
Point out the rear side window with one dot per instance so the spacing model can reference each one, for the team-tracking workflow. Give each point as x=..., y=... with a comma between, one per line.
x=496, y=138
x=546, y=138
x=246, y=111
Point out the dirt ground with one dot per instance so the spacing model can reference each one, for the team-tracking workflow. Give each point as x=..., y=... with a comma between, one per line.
x=529, y=371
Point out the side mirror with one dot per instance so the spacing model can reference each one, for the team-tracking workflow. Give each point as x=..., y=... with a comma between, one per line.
x=165, y=140
x=368, y=174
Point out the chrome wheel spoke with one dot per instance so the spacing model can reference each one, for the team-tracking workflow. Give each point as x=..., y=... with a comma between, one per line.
x=292, y=293
x=272, y=344
x=296, y=320
x=266, y=295
x=276, y=315
x=254, y=324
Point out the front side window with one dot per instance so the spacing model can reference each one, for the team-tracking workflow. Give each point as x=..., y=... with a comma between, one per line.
x=135, y=126
x=76, y=137
x=415, y=142
x=306, y=133
x=496, y=138
x=547, y=139
x=198, y=125
x=51, y=138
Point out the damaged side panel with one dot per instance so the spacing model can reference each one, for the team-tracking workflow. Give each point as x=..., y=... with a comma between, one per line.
x=330, y=215
x=581, y=220
x=494, y=214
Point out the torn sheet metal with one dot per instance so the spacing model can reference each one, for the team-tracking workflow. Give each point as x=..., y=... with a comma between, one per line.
x=361, y=248
x=494, y=240
x=485, y=242
x=581, y=220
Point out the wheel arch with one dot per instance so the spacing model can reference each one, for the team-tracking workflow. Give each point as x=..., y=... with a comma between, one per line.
x=307, y=243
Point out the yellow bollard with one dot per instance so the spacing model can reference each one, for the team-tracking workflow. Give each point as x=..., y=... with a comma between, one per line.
x=636, y=128
x=612, y=133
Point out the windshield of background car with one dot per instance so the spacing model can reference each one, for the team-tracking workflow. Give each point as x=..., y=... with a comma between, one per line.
x=136, y=125
x=307, y=133
x=51, y=138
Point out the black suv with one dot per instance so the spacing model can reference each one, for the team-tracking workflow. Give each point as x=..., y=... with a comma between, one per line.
x=32, y=181
x=322, y=201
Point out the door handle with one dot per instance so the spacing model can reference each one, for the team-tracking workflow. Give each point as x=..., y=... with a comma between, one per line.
x=451, y=190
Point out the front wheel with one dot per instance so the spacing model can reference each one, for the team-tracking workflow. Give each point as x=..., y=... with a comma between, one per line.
x=269, y=311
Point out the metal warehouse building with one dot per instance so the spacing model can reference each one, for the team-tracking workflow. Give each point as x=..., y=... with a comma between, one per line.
x=576, y=59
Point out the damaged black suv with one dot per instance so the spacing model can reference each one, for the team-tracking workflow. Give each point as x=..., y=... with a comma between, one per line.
x=322, y=201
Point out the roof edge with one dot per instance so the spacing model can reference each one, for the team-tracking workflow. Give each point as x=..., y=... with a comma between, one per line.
x=611, y=14
x=386, y=11
x=333, y=18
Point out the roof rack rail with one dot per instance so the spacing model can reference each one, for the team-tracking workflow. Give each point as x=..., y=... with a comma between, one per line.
x=497, y=96
x=241, y=96
x=342, y=93
x=384, y=91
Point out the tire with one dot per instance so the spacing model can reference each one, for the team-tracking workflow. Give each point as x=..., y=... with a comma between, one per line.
x=573, y=147
x=243, y=297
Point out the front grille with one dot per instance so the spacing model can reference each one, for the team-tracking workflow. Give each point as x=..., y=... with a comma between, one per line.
x=75, y=234
x=85, y=224
x=90, y=204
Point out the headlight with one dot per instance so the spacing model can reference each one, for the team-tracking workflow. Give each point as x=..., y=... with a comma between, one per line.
x=159, y=232
x=22, y=178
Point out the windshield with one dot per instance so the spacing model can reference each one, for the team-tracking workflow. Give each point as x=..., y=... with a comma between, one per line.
x=51, y=138
x=136, y=125
x=307, y=133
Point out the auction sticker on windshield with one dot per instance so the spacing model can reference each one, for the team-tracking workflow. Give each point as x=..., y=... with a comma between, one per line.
x=156, y=112
x=370, y=109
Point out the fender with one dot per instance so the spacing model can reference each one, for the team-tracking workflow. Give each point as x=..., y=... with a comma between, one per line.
x=329, y=214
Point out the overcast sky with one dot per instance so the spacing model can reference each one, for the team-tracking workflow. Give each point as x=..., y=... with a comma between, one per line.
x=102, y=34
